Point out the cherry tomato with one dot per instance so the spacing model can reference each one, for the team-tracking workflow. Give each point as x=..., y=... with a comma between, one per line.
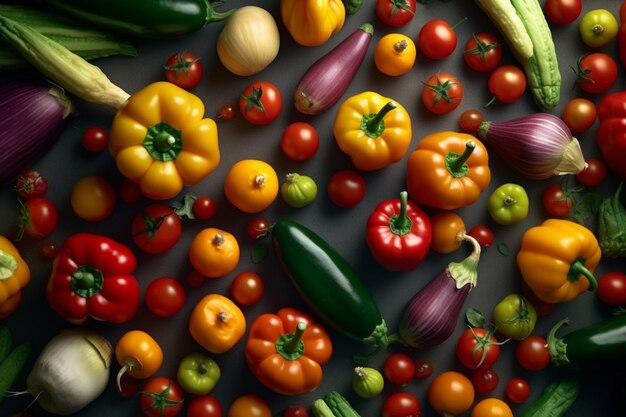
x=49, y=249
x=451, y=393
x=593, y=174
x=195, y=279
x=296, y=411
x=423, y=369
x=597, y=72
x=346, y=188
x=470, y=120
x=395, y=13
x=555, y=202
x=517, y=390
x=442, y=93
x=483, y=52
x=300, y=141
x=257, y=227
x=161, y=397
x=204, y=406
x=95, y=139
x=532, y=353
x=448, y=231
x=401, y=404
x=226, y=112
x=38, y=217
x=395, y=54
x=507, y=83
x=130, y=191
x=437, y=39
x=249, y=405
x=491, y=407
x=483, y=235
x=598, y=27
x=247, y=288
x=93, y=198
x=204, y=208
x=579, y=114
x=31, y=184
x=562, y=12
x=477, y=348
x=156, y=228
x=399, y=368
x=612, y=288
x=260, y=103
x=485, y=380
x=165, y=296
x=183, y=69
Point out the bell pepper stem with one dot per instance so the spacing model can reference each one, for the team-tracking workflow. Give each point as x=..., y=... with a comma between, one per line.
x=87, y=281
x=457, y=162
x=577, y=268
x=400, y=224
x=373, y=124
x=291, y=346
x=8, y=265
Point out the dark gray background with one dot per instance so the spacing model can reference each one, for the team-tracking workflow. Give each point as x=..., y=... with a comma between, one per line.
x=67, y=162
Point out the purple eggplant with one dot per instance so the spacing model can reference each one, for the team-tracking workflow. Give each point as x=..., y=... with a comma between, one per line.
x=32, y=117
x=430, y=317
x=328, y=78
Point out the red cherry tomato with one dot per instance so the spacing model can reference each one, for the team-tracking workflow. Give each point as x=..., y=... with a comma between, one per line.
x=31, y=184
x=470, y=120
x=483, y=52
x=477, y=348
x=399, y=368
x=555, y=202
x=165, y=296
x=204, y=406
x=95, y=139
x=593, y=174
x=395, y=13
x=38, y=217
x=423, y=369
x=247, y=288
x=183, y=69
x=562, y=12
x=226, y=112
x=346, y=188
x=296, y=411
x=597, y=72
x=442, y=93
x=483, y=234
x=532, y=353
x=49, y=249
x=156, y=228
x=401, y=404
x=204, y=208
x=257, y=227
x=300, y=141
x=437, y=39
x=485, y=380
x=507, y=83
x=517, y=390
x=161, y=397
x=579, y=114
x=260, y=103
x=612, y=288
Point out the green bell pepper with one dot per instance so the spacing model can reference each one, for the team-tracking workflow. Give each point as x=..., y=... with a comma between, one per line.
x=198, y=374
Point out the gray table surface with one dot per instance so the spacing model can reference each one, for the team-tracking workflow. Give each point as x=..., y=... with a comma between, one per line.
x=67, y=162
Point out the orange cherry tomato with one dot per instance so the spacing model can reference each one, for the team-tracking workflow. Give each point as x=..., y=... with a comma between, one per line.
x=448, y=231
x=139, y=355
x=92, y=198
x=216, y=323
x=249, y=405
x=451, y=393
x=214, y=252
x=251, y=185
x=395, y=54
x=491, y=407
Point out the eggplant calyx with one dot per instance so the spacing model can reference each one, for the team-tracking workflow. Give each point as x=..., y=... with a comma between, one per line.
x=379, y=339
x=466, y=271
x=557, y=347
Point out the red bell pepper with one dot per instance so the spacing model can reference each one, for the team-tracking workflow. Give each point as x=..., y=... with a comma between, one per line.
x=399, y=234
x=92, y=276
x=612, y=132
x=621, y=34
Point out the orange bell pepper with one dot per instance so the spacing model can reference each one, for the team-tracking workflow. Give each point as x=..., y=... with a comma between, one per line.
x=557, y=260
x=448, y=170
x=312, y=22
x=216, y=323
x=286, y=350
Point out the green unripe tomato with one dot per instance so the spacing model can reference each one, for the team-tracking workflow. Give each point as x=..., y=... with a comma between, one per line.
x=298, y=190
x=508, y=204
x=515, y=317
x=367, y=382
x=598, y=27
x=197, y=374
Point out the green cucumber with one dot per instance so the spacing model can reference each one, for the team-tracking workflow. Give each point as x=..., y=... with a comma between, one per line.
x=12, y=365
x=87, y=43
x=555, y=400
x=542, y=68
x=321, y=409
x=328, y=284
x=339, y=405
x=504, y=16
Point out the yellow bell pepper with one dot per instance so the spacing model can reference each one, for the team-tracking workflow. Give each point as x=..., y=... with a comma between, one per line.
x=312, y=22
x=14, y=275
x=161, y=141
x=373, y=130
x=557, y=260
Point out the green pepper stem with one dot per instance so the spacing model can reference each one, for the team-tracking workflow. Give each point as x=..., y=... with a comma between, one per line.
x=400, y=224
x=373, y=124
x=292, y=345
x=456, y=163
x=87, y=281
x=213, y=15
x=577, y=268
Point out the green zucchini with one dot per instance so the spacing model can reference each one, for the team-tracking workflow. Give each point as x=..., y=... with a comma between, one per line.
x=504, y=16
x=321, y=409
x=339, y=405
x=328, y=284
x=542, y=68
x=12, y=365
x=144, y=18
x=555, y=400
x=87, y=43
